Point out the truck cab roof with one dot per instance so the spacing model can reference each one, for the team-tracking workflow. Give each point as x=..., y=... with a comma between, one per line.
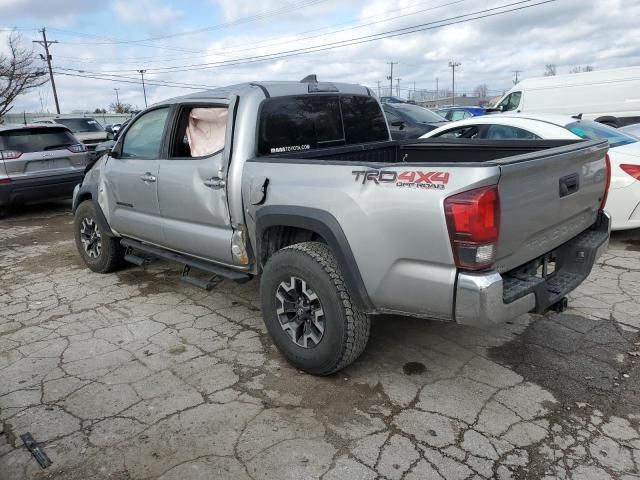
x=271, y=89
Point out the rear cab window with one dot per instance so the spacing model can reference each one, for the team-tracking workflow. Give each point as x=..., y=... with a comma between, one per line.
x=308, y=122
x=38, y=139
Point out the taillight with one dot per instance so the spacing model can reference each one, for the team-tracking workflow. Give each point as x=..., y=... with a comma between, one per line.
x=77, y=148
x=633, y=170
x=473, y=220
x=608, y=182
x=10, y=154
x=5, y=181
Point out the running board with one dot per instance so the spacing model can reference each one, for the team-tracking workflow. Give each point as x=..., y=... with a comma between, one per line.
x=188, y=263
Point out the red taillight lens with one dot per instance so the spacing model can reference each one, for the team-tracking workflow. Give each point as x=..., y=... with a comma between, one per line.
x=608, y=182
x=473, y=220
x=77, y=148
x=10, y=154
x=4, y=181
x=633, y=170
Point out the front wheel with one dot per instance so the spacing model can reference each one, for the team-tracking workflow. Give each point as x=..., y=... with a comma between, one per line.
x=308, y=310
x=101, y=253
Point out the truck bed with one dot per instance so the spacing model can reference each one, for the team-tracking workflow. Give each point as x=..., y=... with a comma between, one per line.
x=429, y=150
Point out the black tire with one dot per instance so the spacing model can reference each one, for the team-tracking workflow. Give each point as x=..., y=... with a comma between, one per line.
x=4, y=211
x=110, y=256
x=346, y=327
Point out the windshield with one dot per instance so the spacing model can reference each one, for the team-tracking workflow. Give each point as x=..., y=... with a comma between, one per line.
x=81, y=125
x=597, y=131
x=420, y=114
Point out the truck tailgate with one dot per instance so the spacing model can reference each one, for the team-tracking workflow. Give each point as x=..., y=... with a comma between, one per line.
x=547, y=198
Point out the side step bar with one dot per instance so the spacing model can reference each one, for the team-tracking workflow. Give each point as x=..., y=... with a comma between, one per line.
x=188, y=263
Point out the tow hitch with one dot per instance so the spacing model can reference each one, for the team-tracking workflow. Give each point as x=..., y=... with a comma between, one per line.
x=560, y=306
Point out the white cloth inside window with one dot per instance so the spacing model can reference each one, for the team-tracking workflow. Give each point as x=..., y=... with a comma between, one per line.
x=206, y=130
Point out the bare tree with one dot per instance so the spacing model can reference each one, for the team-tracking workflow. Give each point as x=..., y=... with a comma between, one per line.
x=482, y=91
x=18, y=73
x=550, y=70
x=119, y=107
x=580, y=69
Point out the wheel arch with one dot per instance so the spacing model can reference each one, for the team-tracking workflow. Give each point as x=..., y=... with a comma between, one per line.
x=324, y=226
x=90, y=192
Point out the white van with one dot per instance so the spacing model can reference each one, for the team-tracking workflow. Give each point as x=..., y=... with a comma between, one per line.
x=611, y=97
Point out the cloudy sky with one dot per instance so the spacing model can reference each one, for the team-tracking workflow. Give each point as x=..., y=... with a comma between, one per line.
x=218, y=42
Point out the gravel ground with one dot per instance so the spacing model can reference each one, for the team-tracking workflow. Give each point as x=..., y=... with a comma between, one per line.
x=136, y=375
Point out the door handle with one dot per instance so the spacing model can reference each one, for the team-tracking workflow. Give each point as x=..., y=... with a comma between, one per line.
x=215, y=183
x=148, y=178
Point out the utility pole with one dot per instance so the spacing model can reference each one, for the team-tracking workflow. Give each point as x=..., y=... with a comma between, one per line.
x=437, y=92
x=414, y=90
x=453, y=66
x=378, y=88
x=117, y=97
x=46, y=44
x=516, y=80
x=398, y=87
x=142, y=72
x=390, y=77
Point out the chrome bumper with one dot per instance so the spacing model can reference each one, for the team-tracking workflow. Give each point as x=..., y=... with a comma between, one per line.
x=480, y=296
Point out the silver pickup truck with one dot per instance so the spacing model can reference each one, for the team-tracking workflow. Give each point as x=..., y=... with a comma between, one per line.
x=299, y=182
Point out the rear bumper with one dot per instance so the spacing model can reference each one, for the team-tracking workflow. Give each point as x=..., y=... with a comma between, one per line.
x=39, y=188
x=491, y=298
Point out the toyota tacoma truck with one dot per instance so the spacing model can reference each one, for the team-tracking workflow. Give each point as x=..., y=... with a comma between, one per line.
x=300, y=183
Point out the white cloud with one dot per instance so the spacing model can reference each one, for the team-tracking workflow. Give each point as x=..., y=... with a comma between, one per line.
x=568, y=33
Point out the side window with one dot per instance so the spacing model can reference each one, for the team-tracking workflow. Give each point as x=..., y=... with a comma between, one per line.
x=469, y=131
x=392, y=116
x=506, y=132
x=457, y=115
x=144, y=137
x=511, y=102
x=200, y=132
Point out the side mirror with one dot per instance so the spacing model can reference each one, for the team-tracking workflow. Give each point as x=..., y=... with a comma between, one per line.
x=108, y=129
x=399, y=124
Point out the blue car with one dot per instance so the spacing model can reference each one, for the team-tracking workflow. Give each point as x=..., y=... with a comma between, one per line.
x=456, y=113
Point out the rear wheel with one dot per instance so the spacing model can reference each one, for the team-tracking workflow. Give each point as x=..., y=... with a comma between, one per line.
x=99, y=252
x=308, y=311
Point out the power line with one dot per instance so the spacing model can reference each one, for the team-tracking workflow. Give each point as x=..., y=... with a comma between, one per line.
x=265, y=44
x=156, y=81
x=486, y=13
x=124, y=80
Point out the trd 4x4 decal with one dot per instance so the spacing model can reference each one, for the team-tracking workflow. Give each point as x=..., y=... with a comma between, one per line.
x=408, y=179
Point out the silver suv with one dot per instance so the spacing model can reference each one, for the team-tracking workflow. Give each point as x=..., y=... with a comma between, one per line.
x=38, y=162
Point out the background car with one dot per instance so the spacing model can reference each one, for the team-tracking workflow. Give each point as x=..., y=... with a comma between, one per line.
x=633, y=129
x=455, y=113
x=623, y=202
x=86, y=129
x=391, y=100
x=410, y=121
x=38, y=162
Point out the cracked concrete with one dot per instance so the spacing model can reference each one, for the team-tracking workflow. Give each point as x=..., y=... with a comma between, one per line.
x=135, y=375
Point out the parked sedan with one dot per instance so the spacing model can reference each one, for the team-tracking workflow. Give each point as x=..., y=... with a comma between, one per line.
x=408, y=121
x=623, y=202
x=38, y=162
